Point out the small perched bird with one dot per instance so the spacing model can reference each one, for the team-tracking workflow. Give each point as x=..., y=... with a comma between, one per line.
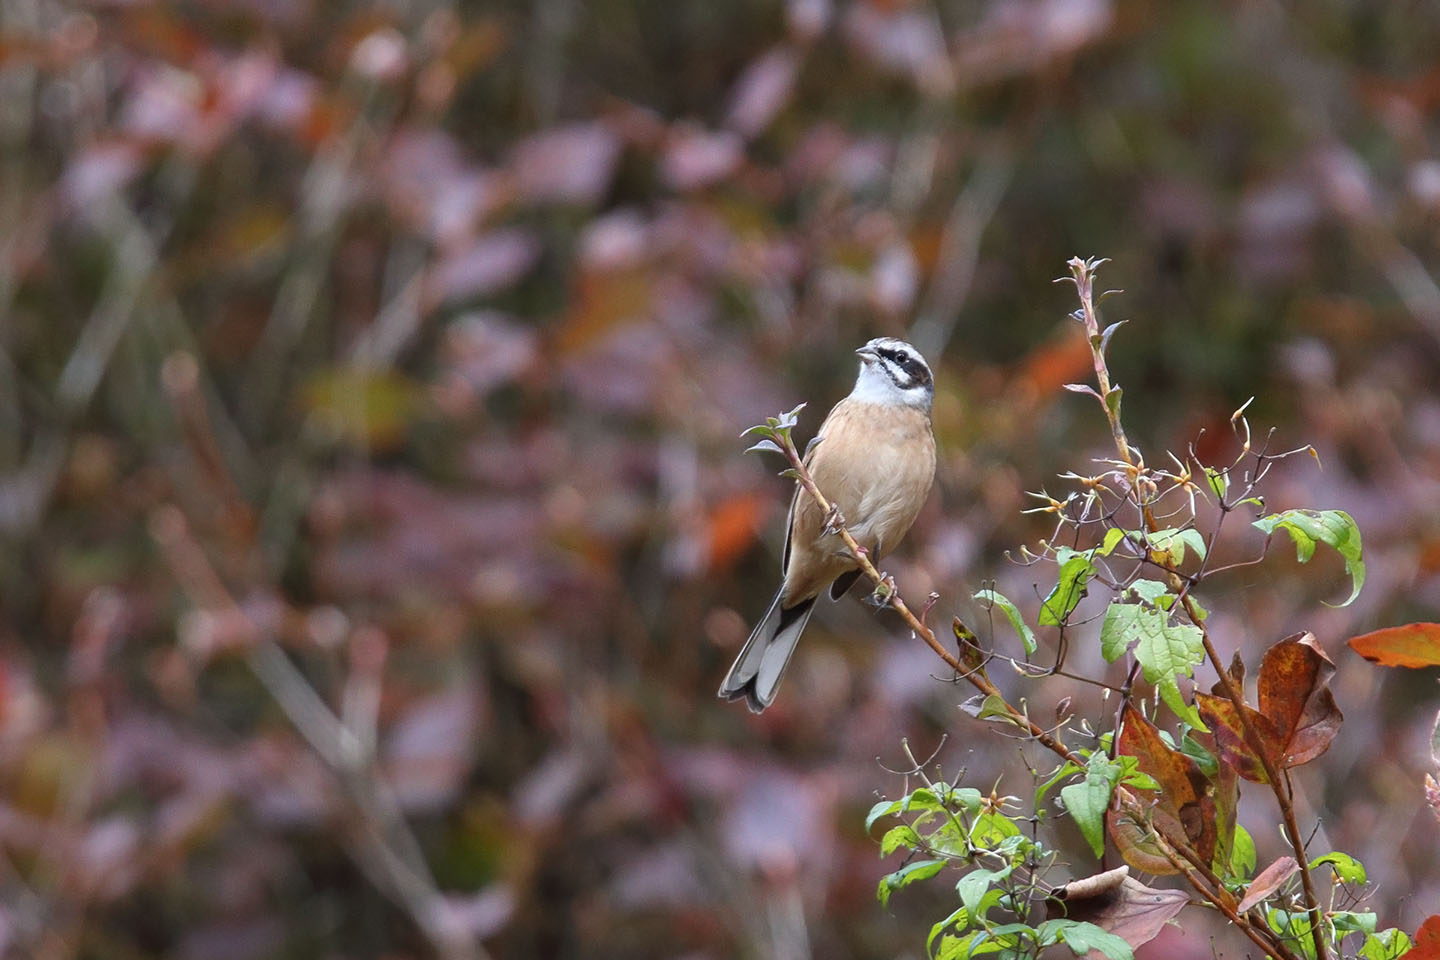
x=874, y=459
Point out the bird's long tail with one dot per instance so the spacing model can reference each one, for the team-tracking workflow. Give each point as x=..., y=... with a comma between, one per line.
x=756, y=673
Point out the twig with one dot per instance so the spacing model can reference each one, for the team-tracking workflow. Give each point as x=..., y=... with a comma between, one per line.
x=1083, y=275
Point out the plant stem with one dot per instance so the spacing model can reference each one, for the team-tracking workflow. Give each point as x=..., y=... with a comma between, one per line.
x=1083, y=273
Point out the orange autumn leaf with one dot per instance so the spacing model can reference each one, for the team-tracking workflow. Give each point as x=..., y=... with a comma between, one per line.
x=1060, y=360
x=1427, y=941
x=1410, y=645
x=733, y=525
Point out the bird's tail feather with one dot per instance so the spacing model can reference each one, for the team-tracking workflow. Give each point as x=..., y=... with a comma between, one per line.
x=756, y=673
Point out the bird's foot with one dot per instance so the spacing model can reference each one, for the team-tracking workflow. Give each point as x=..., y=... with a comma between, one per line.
x=884, y=591
x=833, y=521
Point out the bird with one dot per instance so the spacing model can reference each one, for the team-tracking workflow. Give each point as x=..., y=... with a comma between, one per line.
x=873, y=458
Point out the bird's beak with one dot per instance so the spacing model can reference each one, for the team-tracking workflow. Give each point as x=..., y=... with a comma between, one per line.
x=867, y=354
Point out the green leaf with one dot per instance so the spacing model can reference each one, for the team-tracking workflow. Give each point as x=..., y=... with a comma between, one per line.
x=1350, y=921
x=976, y=884
x=1081, y=937
x=1175, y=700
x=1219, y=481
x=960, y=919
x=1075, y=571
x=896, y=837
x=922, y=798
x=994, y=599
x=1150, y=590
x=1332, y=527
x=1167, y=652
x=1171, y=544
x=992, y=829
x=882, y=809
x=1295, y=926
x=957, y=948
x=1121, y=628
x=1386, y=945
x=1113, y=536
x=906, y=875
x=1112, y=401
x=1087, y=801
x=1242, y=853
x=1066, y=769
x=967, y=797
x=1202, y=757
x=1346, y=867
x=765, y=446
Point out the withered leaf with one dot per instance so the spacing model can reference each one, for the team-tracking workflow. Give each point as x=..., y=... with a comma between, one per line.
x=1137, y=848
x=1118, y=904
x=1184, y=805
x=1224, y=722
x=1267, y=882
x=1295, y=696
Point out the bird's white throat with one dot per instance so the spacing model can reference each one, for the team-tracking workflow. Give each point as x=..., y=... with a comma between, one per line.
x=874, y=385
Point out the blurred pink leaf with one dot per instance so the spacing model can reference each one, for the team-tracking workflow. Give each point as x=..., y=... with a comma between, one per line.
x=894, y=278
x=482, y=914
x=489, y=264
x=429, y=183
x=902, y=39
x=107, y=862
x=807, y=19
x=549, y=789
x=571, y=164
x=486, y=349
x=163, y=104
x=695, y=157
x=1023, y=37
x=620, y=238
x=663, y=876
x=429, y=750
x=98, y=171
x=762, y=91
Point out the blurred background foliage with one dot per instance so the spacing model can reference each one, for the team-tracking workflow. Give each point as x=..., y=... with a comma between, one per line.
x=375, y=528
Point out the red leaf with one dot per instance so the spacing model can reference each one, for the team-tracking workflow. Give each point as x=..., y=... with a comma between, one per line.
x=1268, y=882
x=1410, y=645
x=1427, y=941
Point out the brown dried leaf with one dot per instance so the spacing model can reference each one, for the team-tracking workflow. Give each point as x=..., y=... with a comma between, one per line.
x=1410, y=645
x=1295, y=696
x=1116, y=903
x=1132, y=838
x=1267, y=882
x=1224, y=722
x=1184, y=802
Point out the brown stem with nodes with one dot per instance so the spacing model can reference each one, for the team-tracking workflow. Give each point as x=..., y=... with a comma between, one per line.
x=1083, y=274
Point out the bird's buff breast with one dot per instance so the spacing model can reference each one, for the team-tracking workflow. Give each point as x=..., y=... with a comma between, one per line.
x=876, y=465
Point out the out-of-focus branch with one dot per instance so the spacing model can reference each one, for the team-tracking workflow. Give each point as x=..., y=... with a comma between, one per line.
x=959, y=251
x=383, y=845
